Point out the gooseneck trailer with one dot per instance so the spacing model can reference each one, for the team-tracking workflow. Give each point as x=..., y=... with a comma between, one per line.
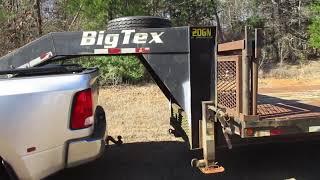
x=212, y=89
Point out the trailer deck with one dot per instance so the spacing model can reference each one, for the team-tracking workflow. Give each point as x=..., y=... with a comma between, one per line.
x=245, y=109
x=290, y=103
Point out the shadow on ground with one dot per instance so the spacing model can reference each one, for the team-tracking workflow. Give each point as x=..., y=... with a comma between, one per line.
x=171, y=160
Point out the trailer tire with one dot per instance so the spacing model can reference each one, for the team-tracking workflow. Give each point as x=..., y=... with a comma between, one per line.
x=138, y=22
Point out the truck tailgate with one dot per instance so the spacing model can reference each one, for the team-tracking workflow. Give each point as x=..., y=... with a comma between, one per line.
x=37, y=110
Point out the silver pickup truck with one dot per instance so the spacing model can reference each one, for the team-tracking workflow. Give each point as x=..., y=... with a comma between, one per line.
x=49, y=120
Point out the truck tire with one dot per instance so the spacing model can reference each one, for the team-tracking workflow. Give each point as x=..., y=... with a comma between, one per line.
x=3, y=173
x=138, y=22
x=6, y=171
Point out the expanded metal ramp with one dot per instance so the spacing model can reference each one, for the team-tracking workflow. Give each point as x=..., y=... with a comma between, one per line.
x=229, y=83
x=289, y=105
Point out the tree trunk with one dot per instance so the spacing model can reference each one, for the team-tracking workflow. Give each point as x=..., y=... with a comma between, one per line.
x=38, y=13
x=220, y=32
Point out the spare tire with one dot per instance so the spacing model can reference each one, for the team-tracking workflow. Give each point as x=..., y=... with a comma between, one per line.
x=138, y=22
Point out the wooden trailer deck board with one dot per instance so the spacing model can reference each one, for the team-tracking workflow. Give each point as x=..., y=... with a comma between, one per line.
x=291, y=104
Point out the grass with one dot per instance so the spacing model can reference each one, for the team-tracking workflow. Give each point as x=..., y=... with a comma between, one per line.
x=137, y=113
x=301, y=71
x=288, y=75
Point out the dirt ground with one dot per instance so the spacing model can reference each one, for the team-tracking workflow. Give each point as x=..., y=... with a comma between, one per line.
x=140, y=115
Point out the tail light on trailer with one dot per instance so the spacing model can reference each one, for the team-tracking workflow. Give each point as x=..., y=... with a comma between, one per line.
x=275, y=132
x=82, y=112
x=249, y=132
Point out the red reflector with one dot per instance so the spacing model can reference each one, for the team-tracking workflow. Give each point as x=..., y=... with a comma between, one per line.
x=31, y=149
x=114, y=50
x=274, y=132
x=43, y=55
x=142, y=50
x=82, y=110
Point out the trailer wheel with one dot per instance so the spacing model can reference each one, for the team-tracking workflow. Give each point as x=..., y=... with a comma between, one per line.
x=137, y=22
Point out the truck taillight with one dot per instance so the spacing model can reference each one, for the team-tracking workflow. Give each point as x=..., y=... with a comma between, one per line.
x=82, y=113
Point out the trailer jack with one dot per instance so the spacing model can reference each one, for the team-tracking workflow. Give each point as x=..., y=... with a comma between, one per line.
x=207, y=165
